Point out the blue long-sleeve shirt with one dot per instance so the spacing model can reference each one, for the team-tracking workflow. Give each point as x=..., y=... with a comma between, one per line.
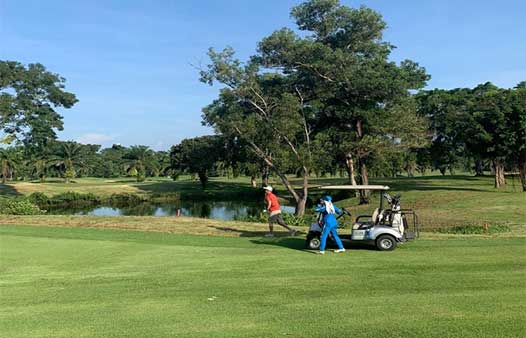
x=328, y=219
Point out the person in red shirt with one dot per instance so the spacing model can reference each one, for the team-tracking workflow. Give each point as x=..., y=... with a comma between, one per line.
x=275, y=213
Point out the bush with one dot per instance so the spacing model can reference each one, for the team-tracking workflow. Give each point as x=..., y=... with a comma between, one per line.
x=19, y=207
x=290, y=219
x=126, y=199
x=38, y=198
x=73, y=198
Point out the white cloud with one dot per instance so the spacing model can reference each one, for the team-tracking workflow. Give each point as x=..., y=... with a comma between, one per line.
x=94, y=138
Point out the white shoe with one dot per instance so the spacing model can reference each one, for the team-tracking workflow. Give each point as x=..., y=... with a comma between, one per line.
x=269, y=235
x=339, y=250
x=321, y=252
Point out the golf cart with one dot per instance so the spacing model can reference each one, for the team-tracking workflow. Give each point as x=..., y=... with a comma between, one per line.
x=385, y=228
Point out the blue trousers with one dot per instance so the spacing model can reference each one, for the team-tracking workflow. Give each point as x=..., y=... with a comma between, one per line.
x=332, y=229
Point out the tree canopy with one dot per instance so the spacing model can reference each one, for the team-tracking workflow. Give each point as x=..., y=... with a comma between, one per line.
x=29, y=97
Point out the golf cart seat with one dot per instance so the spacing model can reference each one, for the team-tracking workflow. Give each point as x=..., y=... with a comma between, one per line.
x=359, y=224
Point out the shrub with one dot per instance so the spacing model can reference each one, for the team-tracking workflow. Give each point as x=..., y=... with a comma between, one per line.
x=73, y=198
x=38, y=198
x=290, y=219
x=13, y=206
x=126, y=199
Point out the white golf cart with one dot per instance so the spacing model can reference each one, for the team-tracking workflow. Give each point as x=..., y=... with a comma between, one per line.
x=385, y=228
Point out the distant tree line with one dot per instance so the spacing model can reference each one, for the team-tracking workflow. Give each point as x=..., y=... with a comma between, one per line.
x=320, y=100
x=70, y=160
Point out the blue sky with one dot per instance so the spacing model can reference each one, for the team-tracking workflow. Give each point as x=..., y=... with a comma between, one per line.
x=130, y=62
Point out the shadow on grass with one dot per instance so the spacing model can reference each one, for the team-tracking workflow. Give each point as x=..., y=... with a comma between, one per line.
x=298, y=243
x=8, y=190
x=246, y=233
x=293, y=243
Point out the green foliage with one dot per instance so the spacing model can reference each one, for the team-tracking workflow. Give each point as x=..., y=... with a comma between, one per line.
x=126, y=199
x=39, y=198
x=290, y=219
x=139, y=160
x=198, y=155
x=336, y=75
x=73, y=198
x=18, y=206
x=28, y=99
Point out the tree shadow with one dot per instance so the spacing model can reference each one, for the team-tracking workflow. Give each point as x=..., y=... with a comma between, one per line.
x=248, y=233
x=293, y=243
x=8, y=190
x=298, y=243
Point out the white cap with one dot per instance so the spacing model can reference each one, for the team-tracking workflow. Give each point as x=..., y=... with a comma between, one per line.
x=268, y=187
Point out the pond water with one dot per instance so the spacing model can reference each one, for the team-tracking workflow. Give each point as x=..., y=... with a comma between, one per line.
x=223, y=210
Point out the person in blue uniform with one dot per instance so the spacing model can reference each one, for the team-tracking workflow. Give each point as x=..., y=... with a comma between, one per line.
x=329, y=211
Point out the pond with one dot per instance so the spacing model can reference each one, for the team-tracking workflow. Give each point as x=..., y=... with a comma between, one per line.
x=223, y=210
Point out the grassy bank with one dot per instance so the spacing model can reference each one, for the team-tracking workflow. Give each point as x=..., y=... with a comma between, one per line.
x=58, y=282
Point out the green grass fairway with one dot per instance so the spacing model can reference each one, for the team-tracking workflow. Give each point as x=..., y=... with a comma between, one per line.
x=74, y=282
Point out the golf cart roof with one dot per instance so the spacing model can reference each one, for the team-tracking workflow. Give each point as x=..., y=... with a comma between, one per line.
x=354, y=187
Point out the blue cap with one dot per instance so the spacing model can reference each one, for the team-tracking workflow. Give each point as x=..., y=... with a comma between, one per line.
x=327, y=198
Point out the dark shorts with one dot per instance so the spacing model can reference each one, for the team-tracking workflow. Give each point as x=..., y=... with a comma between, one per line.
x=276, y=219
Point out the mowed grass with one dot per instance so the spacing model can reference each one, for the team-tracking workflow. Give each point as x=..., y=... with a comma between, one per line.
x=74, y=282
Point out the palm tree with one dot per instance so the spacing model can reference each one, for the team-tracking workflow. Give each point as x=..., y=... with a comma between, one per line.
x=140, y=158
x=70, y=156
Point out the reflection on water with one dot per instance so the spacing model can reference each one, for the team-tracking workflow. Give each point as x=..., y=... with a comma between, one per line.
x=225, y=210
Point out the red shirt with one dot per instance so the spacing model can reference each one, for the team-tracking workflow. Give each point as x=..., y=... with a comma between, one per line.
x=274, y=204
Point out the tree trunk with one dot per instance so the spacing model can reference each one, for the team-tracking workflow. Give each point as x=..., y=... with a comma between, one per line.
x=479, y=169
x=350, y=168
x=498, y=167
x=203, y=178
x=253, y=182
x=522, y=174
x=302, y=202
x=264, y=175
x=364, y=180
x=364, y=176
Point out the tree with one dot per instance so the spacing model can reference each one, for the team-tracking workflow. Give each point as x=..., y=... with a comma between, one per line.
x=111, y=162
x=344, y=62
x=73, y=158
x=198, y=156
x=139, y=159
x=28, y=99
x=9, y=161
x=516, y=124
x=267, y=111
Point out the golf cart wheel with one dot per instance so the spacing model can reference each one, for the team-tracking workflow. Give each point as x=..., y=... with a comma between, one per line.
x=385, y=243
x=313, y=243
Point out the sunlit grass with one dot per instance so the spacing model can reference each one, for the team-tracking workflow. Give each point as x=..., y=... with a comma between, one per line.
x=60, y=282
